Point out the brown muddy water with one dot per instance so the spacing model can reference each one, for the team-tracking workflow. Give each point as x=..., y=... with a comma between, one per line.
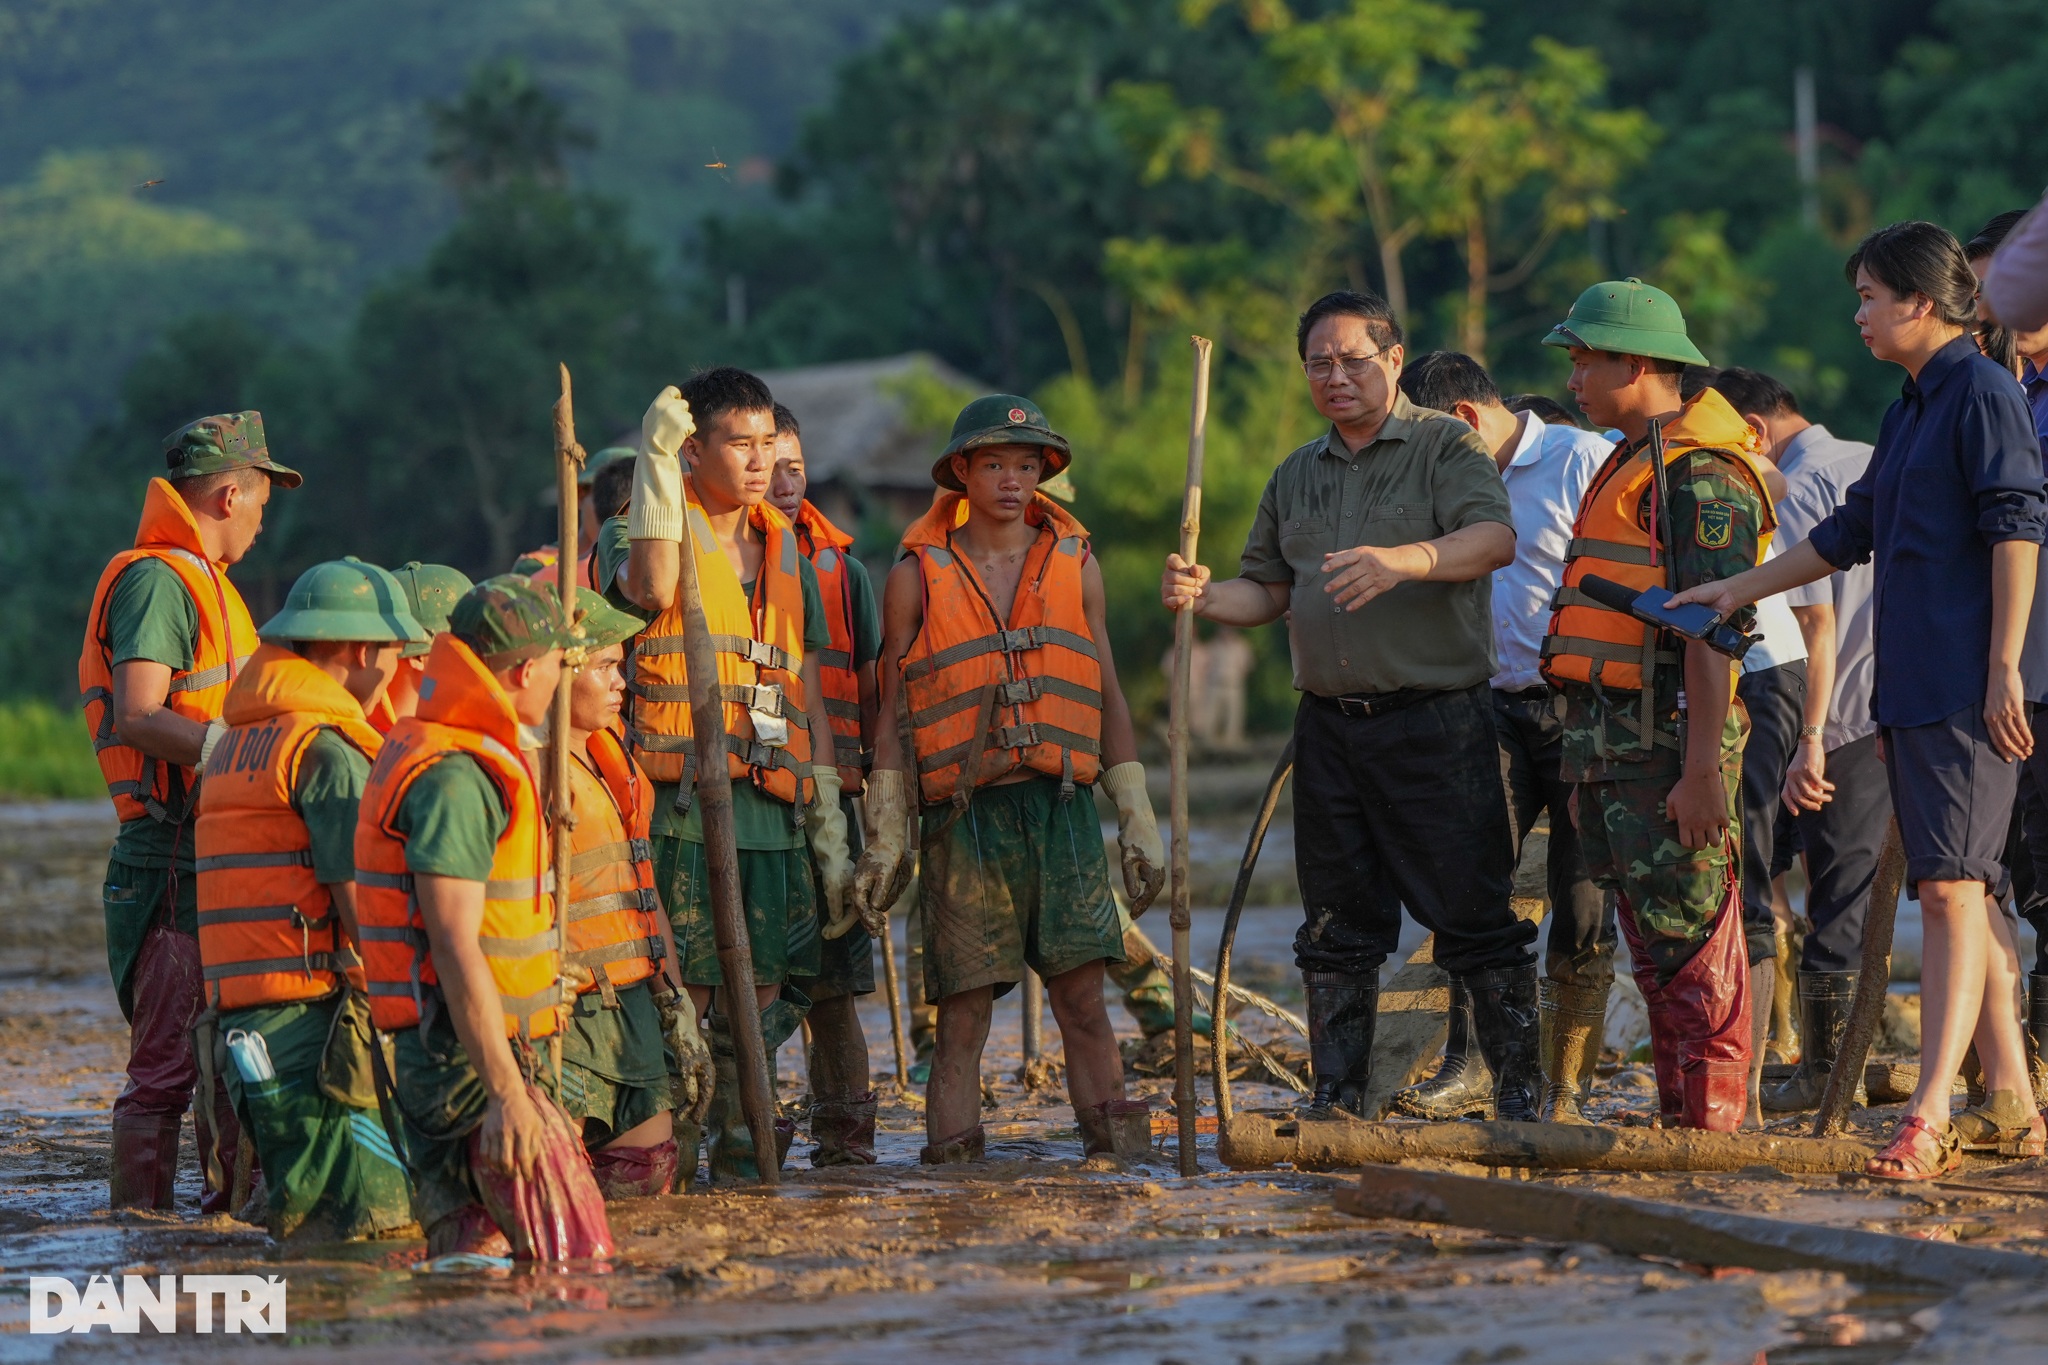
x=1028, y=1257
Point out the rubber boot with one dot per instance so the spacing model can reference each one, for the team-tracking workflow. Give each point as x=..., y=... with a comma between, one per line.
x=145, y=1165
x=1117, y=1128
x=844, y=1131
x=469, y=1230
x=2037, y=1032
x=1704, y=1013
x=1575, y=1021
x=635, y=1172
x=1763, y=980
x=971, y=1145
x=1663, y=1043
x=1341, y=1011
x=1824, y=1000
x=1461, y=1085
x=1783, y=1045
x=1504, y=1018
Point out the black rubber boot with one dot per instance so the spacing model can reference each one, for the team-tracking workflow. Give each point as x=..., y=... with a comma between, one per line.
x=1824, y=1000
x=2037, y=1033
x=1341, y=1010
x=1505, y=1019
x=1461, y=1085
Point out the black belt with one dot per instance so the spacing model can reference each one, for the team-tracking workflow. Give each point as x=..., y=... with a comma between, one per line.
x=1378, y=703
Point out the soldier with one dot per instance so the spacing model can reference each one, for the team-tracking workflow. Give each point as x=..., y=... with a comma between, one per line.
x=166, y=636
x=770, y=631
x=277, y=903
x=460, y=946
x=1653, y=734
x=539, y=565
x=993, y=631
x=620, y=950
x=431, y=592
x=843, y=1101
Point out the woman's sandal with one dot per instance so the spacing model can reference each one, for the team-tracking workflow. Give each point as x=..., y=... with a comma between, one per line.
x=1918, y=1152
x=2003, y=1125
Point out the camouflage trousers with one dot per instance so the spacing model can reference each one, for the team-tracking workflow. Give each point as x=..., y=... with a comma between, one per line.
x=1632, y=847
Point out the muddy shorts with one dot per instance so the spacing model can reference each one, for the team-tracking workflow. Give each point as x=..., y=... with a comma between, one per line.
x=1632, y=847
x=132, y=898
x=781, y=901
x=329, y=1168
x=846, y=965
x=614, y=1073
x=1018, y=879
x=441, y=1102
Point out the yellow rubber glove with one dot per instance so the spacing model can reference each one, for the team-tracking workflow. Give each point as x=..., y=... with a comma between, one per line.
x=656, y=509
x=1137, y=835
x=885, y=863
x=830, y=850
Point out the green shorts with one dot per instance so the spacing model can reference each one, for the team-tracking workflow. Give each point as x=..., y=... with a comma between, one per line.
x=780, y=900
x=1019, y=879
x=329, y=1168
x=131, y=899
x=614, y=1073
x=441, y=1100
x=846, y=965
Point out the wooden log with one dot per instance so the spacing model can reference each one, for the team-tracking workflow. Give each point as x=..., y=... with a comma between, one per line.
x=1701, y=1236
x=1257, y=1142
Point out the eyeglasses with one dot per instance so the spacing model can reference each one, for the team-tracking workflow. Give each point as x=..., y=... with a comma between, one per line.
x=1323, y=367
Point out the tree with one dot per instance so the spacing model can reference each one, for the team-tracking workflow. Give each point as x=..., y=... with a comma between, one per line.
x=502, y=129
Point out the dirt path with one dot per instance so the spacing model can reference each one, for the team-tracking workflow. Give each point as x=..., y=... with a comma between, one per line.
x=1025, y=1258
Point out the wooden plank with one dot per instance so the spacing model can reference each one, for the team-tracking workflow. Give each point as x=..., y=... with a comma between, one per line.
x=1641, y=1227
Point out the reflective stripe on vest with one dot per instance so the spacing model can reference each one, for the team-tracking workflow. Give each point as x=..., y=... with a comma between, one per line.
x=614, y=927
x=828, y=547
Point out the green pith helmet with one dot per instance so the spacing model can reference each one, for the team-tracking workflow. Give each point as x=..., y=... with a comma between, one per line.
x=1627, y=317
x=432, y=590
x=604, y=625
x=1002, y=419
x=506, y=621
x=345, y=599
x=214, y=445
x=609, y=455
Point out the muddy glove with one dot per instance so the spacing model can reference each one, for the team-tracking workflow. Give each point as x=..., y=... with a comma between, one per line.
x=656, y=509
x=1137, y=834
x=885, y=864
x=693, y=1079
x=830, y=851
x=215, y=728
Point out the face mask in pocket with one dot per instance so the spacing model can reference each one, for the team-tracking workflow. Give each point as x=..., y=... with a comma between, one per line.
x=251, y=1055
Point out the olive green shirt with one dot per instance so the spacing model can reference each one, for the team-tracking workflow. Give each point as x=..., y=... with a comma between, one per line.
x=151, y=617
x=332, y=775
x=452, y=818
x=1424, y=476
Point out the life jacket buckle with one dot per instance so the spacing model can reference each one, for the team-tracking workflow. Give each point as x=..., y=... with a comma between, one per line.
x=1020, y=691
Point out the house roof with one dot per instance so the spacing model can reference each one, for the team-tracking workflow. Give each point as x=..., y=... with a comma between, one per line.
x=873, y=422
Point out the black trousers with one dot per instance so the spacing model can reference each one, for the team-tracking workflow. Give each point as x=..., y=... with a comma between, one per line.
x=1842, y=840
x=1529, y=732
x=1403, y=809
x=2030, y=873
x=1775, y=698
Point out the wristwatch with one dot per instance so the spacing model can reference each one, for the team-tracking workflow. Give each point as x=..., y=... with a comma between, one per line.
x=1812, y=731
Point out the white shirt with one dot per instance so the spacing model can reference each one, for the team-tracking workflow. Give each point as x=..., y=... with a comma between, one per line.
x=1546, y=479
x=1783, y=642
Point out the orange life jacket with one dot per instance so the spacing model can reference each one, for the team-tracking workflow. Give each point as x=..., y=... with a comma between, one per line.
x=268, y=934
x=463, y=710
x=1610, y=650
x=383, y=714
x=825, y=545
x=613, y=929
x=760, y=660
x=550, y=557
x=1023, y=693
x=139, y=784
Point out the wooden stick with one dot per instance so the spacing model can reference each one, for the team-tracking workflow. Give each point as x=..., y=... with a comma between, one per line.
x=895, y=989
x=569, y=459
x=1184, y=1101
x=1866, y=1012
x=1034, y=1018
x=722, y=860
x=1219, y=1034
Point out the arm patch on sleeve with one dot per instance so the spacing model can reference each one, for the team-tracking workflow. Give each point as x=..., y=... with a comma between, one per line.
x=1715, y=525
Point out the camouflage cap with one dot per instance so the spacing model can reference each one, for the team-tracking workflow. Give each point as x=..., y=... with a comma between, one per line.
x=602, y=624
x=1001, y=419
x=431, y=590
x=506, y=621
x=348, y=600
x=609, y=455
x=217, y=444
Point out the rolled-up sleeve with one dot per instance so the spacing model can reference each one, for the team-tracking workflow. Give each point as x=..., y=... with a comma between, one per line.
x=1262, y=561
x=2002, y=461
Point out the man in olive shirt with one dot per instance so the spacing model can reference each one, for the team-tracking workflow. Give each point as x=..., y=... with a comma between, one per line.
x=1378, y=540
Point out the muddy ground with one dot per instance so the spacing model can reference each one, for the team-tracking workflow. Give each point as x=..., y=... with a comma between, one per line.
x=1026, y=1258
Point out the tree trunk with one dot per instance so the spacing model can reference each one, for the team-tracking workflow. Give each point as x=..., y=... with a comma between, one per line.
x=1472, y=329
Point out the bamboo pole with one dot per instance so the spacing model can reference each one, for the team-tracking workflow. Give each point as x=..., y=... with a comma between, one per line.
x=1866, y=1012
x=721, y=859
x=569, y=458
x=895, y=989
x=1184, y=1101
x=1034, y=1020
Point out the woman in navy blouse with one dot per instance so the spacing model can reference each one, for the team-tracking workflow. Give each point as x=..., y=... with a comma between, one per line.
x=1953, y=513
